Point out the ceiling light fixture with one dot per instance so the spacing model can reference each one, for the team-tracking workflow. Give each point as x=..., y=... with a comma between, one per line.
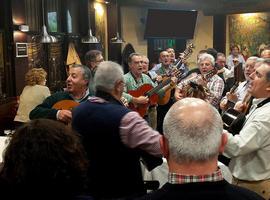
x=89, y=39
x=117, y=39
x=44, y=37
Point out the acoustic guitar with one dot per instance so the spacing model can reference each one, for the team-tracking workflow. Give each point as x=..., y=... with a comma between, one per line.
x=149, y=91
x=233, y=120
x=177, y=65
x=192, y=87
x=65, y=105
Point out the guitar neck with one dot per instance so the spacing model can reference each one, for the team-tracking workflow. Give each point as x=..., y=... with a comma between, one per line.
x=158, y=87
x=187, y=52
x=234, y=87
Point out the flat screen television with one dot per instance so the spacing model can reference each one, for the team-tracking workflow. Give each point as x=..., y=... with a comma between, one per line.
x=170, y=24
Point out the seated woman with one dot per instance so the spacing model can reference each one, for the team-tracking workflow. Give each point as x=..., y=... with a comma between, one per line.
x=44, y=160
x=32, y=95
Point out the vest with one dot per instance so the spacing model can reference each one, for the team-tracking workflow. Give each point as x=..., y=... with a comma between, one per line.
x=114, y=169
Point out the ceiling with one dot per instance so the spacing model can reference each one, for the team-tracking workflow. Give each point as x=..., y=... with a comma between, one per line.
x=209, y=7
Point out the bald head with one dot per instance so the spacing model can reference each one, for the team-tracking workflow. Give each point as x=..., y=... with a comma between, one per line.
x=193, y=129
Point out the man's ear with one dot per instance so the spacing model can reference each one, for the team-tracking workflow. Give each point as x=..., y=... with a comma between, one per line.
x=117, y=85
x=164, y=146
x=224, y=140
x=268, y=89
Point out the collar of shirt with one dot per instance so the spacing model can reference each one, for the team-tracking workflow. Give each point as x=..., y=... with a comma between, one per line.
x=96, y=100
x=254, y=105
x=175, y=178
x=81, y=99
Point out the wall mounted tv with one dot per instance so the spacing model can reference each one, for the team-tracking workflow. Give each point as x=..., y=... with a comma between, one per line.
x=170, y=24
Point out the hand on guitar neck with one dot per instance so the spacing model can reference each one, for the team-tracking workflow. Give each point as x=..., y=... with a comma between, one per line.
x=240, y=106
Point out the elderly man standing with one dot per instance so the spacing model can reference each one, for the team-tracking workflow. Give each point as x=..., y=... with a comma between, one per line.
x=114, y=137
x=250, y=149
x=191, y=143
x=76, y=91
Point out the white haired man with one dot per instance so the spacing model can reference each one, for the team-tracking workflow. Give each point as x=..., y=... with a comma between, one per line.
x=213, y=85
x=191, y=143
x=241, y=90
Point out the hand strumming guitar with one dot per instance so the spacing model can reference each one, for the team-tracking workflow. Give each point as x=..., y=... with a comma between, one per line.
x=240, y=106
x=64, y=116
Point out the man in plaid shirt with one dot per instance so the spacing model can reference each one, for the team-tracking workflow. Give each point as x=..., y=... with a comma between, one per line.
x=211, y=82
x=193, y=138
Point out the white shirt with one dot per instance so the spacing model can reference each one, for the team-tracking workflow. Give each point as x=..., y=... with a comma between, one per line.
x=230, y=58
x=250, y=149
x=240, y=91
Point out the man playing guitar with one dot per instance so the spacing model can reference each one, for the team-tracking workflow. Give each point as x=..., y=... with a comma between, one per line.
x=241, y=90
x=77, y=91
x=208, y=79
x=135, y=79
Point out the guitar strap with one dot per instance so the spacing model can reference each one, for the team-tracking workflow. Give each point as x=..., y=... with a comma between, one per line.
x=249, y=105
x=258, y=106
x=263, y=102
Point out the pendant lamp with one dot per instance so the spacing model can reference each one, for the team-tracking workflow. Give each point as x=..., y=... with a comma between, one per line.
x=44, y=37
x=90, y=39
x=117, y=39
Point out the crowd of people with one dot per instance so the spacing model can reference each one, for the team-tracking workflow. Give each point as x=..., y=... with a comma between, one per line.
x=116, y=121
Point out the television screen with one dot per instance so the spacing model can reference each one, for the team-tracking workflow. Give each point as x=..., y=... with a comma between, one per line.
x=170, y=24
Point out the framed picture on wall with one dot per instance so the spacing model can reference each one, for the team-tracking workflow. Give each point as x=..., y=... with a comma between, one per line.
x=21, y=50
